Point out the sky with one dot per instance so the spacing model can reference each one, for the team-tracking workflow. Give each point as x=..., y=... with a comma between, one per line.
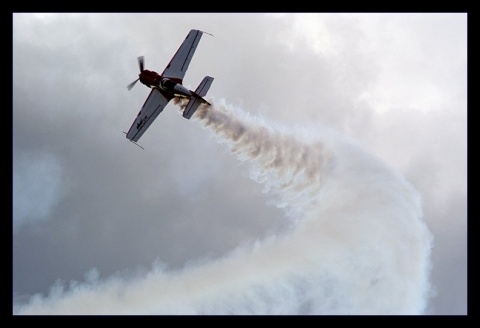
x=329, y=176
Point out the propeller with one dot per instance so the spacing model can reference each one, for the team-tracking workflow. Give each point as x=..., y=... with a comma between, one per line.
x=141, y=63
x=130, y=86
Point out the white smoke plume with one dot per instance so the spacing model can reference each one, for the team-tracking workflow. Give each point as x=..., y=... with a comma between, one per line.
x=357, y=243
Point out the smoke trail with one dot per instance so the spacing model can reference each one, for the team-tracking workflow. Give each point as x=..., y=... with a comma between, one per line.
x=357, y=244
x=291, y=169
x=368, y=212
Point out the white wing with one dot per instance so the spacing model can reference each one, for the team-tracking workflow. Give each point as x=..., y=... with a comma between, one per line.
x=178, y=66
x=153, y=106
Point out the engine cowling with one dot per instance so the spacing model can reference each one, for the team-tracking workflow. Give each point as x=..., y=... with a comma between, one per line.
x=149, y=78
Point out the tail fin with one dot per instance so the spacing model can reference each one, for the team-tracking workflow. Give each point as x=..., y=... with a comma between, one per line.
x=196, y=98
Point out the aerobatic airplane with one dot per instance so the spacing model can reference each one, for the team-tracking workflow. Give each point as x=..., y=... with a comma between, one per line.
x=167, y=86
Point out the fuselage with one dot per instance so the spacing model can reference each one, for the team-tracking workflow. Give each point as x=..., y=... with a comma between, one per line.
x=153, y=79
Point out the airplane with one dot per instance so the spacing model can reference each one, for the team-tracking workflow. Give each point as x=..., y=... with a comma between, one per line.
x=167, y=86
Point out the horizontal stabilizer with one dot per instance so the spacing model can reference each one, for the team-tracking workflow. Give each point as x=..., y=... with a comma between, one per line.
x=204, y=86
x=196, y=100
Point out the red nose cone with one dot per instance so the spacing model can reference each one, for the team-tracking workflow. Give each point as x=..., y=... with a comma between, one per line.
x=149, y=78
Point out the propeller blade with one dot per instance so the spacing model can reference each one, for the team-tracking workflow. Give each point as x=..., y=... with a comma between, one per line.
x=141, y=61
x=130, y=86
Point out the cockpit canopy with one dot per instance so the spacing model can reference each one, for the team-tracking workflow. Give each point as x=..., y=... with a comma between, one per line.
x=168, y=84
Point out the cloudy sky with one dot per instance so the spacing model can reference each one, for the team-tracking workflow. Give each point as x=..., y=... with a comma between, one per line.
x=186, y=224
